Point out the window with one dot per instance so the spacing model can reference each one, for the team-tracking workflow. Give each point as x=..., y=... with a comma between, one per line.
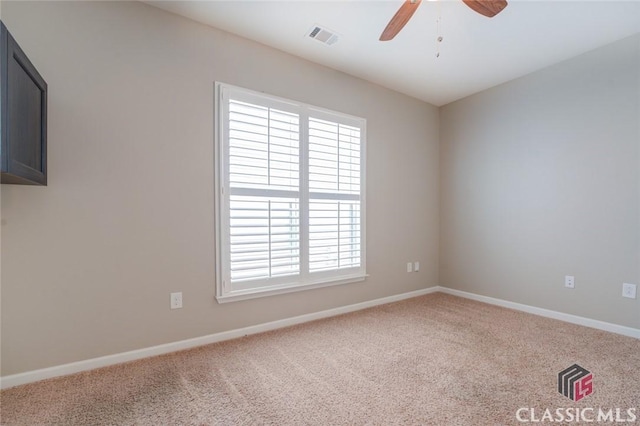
x=289, y=195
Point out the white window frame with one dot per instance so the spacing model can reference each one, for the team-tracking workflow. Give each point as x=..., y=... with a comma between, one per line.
x=226, y=291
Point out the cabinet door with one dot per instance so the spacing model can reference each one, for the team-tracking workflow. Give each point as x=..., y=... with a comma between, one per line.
x=24, y=109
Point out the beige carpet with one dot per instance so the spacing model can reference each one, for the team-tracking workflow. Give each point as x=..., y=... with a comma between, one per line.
x=432, y=360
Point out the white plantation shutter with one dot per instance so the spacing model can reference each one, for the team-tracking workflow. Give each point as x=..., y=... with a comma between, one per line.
x=264, y=227
x=289, y=198
x=334, y=193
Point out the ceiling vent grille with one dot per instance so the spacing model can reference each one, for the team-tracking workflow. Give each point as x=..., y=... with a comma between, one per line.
x=323, y=35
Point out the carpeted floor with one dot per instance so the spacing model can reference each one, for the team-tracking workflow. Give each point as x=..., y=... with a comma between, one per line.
x=432, y=360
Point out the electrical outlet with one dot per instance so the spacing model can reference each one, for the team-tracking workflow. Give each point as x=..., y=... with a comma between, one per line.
x=629, y=290
x=569, y=281
x=409, y=267
x=416, y=266
x=176, y=300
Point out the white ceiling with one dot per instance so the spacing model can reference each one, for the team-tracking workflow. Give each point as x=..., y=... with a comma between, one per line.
x=476, y=52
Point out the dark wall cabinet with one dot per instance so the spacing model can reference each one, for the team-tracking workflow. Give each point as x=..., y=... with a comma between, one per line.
x=23, y=112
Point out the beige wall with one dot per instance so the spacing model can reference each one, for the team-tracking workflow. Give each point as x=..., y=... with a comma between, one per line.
x=88, y=262
x=540, y=179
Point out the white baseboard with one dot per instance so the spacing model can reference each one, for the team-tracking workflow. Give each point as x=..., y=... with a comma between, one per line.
x=90, y=364
x=104, y=361
x=573, y=319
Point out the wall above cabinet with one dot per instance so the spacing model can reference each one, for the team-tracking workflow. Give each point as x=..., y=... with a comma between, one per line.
x=23, y=116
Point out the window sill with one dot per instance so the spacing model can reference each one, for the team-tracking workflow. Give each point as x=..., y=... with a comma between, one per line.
x=235, y=296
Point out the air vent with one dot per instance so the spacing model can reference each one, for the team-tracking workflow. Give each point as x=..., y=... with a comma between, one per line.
x=323, y=35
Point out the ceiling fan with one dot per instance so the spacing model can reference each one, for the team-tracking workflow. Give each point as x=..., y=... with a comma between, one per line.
x=488, y=8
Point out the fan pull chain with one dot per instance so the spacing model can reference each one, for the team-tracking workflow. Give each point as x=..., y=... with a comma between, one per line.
x=439, y=31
